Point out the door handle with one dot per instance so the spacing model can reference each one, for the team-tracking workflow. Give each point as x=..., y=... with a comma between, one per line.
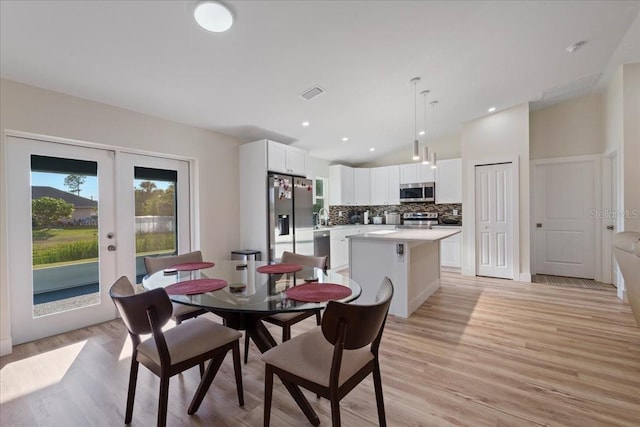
x=610, y=227
x=539, y=225
x=111, y=248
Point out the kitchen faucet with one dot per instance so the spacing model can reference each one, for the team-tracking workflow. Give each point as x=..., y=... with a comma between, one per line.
x=323, y=213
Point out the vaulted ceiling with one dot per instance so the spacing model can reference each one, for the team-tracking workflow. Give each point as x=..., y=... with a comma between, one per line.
x=151, y=57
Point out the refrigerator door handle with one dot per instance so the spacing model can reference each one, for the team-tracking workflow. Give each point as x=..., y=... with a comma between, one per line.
x=283, y=225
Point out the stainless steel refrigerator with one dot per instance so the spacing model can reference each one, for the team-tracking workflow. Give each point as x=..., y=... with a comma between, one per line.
x=290, y=215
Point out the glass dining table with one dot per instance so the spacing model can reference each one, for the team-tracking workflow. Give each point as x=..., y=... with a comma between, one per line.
x=250, y=296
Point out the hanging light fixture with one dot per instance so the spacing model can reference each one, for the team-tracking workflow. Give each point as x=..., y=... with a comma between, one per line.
x=434, y=105
x=416, y=144
x=425, y=149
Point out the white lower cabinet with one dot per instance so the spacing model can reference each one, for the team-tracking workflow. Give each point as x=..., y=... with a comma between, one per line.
x=451, y=252
x=339, y=243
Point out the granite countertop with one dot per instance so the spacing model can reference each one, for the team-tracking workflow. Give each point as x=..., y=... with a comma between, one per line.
x=407, y=234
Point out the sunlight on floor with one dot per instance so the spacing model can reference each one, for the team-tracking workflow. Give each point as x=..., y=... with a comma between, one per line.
x=37, y=372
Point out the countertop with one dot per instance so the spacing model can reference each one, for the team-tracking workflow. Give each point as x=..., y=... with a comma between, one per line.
x=407, y=234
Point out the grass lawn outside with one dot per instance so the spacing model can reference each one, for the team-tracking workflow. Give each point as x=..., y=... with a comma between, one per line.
x=74, y=245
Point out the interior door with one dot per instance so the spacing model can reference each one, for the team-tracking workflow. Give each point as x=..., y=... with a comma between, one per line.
x=494, y=217
x=62, y=253
x=563, y=206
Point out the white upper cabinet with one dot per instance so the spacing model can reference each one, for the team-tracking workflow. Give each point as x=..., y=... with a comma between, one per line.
x=341, y=185
x=285, y=159
x=412, y=173
x=449, y=181
x=362, y=186
x=385, y=185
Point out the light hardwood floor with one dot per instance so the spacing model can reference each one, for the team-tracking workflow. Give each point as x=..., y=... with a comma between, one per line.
x=479, y=352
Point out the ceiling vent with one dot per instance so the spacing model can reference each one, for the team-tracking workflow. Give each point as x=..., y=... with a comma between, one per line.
x=312, y=93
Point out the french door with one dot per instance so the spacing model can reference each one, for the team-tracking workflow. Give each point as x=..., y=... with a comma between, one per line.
x=80, y=217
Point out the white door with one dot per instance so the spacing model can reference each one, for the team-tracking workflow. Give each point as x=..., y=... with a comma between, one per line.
x=153, y=206
x=563, y=214
x=62, y=259
x=494, y=217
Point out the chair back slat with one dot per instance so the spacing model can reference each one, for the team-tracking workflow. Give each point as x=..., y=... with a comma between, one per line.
x=304, y=260
x=363, y=322
x=133, y=307
x=154, y=264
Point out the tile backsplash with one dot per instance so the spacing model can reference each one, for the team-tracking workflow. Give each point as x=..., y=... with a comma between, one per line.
x=349, y=211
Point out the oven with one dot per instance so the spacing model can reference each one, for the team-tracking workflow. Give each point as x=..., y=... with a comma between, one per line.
x=422, y=192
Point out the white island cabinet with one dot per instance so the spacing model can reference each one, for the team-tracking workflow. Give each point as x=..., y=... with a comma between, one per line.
x=410, y=258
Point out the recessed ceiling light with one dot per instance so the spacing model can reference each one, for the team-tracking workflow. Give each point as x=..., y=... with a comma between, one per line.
x=305, y=124
x=492, y=109
x=574, y=47
x=421, y=132
x=213, y=16
x=345, y=139
x=372, y=149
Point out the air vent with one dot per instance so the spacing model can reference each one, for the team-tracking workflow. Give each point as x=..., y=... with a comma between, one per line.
x=312, y=93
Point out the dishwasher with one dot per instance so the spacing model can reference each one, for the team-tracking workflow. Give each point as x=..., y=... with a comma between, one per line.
x=322, y=245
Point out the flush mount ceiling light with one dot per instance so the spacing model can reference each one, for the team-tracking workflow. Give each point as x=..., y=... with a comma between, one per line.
x=345, y=139
x=305, y=124
x=492, y=109
x=372, y=149
x=416, y=144
x=213, y=16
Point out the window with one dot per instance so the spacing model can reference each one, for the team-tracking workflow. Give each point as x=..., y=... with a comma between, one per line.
x=319, y=194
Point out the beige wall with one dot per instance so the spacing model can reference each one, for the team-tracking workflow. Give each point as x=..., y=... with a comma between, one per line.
x=445, y=148
x=631, y=141
x=613, y=113
x=569, y=129
x=30, y=109
x=496, y=138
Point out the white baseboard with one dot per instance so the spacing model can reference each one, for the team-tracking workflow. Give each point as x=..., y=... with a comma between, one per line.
x=5, y=347
x=525, y=277
x=451, y=269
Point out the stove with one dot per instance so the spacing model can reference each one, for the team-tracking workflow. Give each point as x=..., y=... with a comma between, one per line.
x=420, y=219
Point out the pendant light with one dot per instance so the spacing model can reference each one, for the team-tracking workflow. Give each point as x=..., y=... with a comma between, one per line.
x=434, y=105
x=416, y=144
x=425, y=149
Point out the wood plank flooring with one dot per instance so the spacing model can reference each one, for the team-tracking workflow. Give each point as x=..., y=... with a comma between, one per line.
x=479, y=352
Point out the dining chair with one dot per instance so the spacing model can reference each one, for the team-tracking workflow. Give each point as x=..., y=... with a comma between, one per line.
x=332, y=359
x=286, y=320
x=167, y=353
x=181, y=312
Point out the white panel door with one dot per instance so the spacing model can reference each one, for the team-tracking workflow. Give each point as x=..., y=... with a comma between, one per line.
x=564, y=230
x=494, y=217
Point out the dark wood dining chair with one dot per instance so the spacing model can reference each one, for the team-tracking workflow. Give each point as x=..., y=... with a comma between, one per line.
x=167, y=353
x=332, y=359
x=286, y=320
x=181, y=312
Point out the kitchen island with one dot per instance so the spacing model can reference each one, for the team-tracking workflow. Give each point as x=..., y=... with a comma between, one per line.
x=409, y=257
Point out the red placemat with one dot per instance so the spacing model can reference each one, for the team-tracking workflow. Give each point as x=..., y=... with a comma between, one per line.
x=318, y=292
x=189, y=266
x=279, y=268
x=198, y=286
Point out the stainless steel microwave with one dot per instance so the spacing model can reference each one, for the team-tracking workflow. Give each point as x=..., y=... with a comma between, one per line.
x=422, y=192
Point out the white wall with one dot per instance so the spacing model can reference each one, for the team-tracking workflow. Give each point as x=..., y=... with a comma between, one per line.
x=572, y=128
x=631, y=141
x=30, y=109
x=498, y=137
x=445, y=148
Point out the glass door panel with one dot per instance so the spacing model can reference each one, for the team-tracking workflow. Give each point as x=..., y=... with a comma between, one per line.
x=64, y=212
x=155, y=214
